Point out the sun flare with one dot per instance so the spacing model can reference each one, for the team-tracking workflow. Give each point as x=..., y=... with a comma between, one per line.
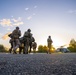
x=57, y=42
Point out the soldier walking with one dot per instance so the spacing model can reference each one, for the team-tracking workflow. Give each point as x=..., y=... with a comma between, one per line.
x=49, y=44
x=34, y=46
x=11, y=42
x=27, y=39
x=16, y=43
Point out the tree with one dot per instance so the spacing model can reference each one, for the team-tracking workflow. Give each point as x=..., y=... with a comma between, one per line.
x=72, y=45
x=2, y=48
x=42, y=49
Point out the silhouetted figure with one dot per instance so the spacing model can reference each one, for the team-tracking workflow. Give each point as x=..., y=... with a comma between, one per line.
x=16, y=43
x=34, y=46
x=21, y=47
x=30, y=43
x=11, y=42
x=27, y=39
x=49, y=44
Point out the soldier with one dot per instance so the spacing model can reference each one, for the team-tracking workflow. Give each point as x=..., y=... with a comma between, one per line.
x=16, y=43
x=49, y=44
x=11, y=42
x=34, y=46
x=27, y=38
x=30, y=43
x=21, y=47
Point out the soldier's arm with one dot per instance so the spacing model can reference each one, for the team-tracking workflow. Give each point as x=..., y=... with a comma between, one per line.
x=36, y=44
x=24, y=34
x=19, y=33
x=13, y=32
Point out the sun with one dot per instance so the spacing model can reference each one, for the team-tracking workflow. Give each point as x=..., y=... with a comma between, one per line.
x=57, y=42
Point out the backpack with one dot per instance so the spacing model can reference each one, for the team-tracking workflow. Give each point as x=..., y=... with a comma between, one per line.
x=27, y=34
x=10, y=35
x=15, y=34
x=32, y=39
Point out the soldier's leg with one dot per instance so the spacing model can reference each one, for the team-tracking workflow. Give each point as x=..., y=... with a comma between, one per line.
x=34, y=50
x=19, y=50
x=25, y=50
x=17, y=45
x=48, y=51
x=10, y=50
x=50, y=48
x=14, y=52
x=30, y=45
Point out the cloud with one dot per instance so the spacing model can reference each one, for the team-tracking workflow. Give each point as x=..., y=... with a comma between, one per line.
x=19, y=18
x=5, y=22
x=16, y=20
x=72, y=11
x=34, y=14
x=18, y=23
x=5, y=37
x=0, y=34
x=8, y=29
x=11, y=16
x=75, y=11
x=26, y=9
x=35, y=6
x=11, y=22
x=29, y=17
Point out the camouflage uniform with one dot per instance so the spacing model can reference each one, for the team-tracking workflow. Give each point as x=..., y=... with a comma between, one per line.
x=11, y=42
x=21, y=47
x=49, y=43
x=27, y=38
x=34, y=45
x=30, y=43
x=16, y=43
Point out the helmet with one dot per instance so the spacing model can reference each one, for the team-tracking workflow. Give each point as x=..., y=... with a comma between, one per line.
x=17, y=27
x=29, y=30
x=49, y=36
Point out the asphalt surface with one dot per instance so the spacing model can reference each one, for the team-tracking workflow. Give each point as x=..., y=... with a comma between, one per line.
x=38, y=64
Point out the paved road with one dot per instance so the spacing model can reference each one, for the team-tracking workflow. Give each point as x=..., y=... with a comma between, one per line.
x=38, y=64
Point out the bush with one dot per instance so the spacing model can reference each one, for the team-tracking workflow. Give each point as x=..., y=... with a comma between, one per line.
x=72, y=49
x=42, y=49
x=2, y=48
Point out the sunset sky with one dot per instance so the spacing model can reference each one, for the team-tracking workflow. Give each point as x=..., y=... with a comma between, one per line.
x=44, y=17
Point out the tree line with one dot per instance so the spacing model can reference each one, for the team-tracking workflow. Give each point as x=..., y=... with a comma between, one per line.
x=44, y=48
x=2, y=48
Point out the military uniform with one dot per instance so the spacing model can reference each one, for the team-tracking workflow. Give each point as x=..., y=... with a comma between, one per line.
x=34, y=45
x=16, y=43
x=30, y=43
x=49, y=43
x=21, y=47
x=27, y=38
x=11, y=42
